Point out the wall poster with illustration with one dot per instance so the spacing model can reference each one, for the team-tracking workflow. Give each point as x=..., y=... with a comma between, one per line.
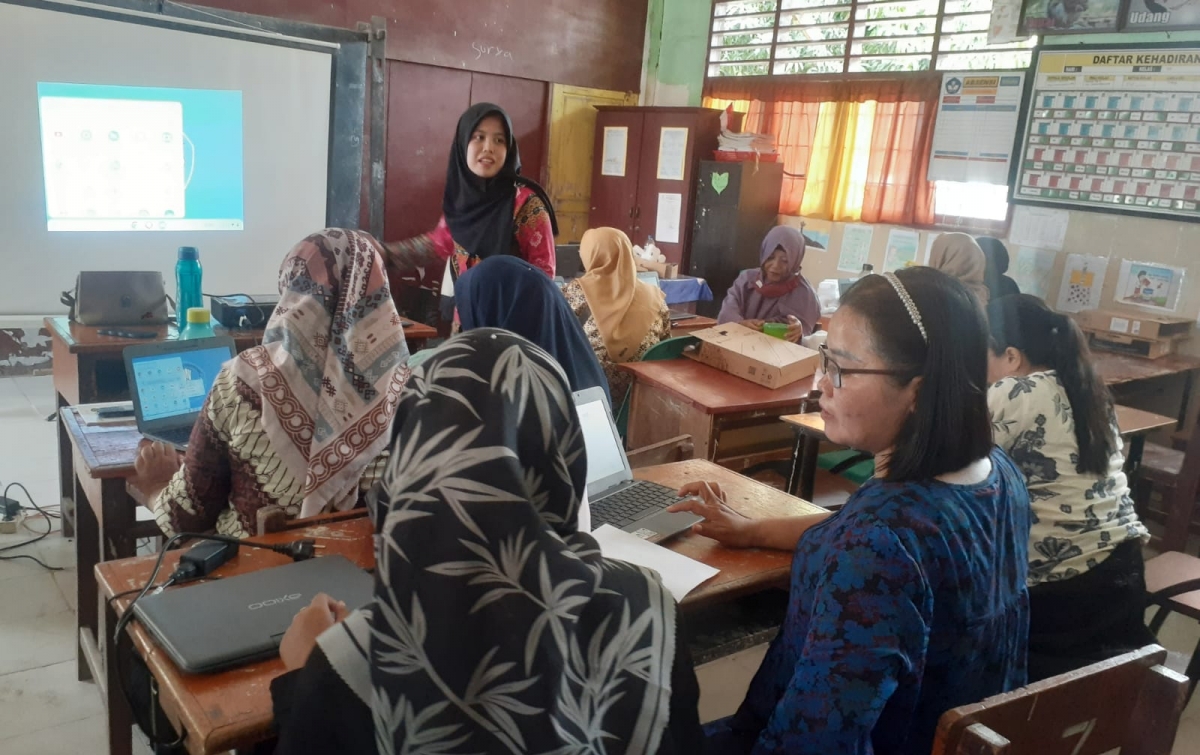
x=1152, y=285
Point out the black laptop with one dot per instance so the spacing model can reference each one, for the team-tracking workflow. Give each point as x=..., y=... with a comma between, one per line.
x=241, y=619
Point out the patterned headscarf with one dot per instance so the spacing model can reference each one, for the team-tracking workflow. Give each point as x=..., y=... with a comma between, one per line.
x=497, y=626
x=331, y=365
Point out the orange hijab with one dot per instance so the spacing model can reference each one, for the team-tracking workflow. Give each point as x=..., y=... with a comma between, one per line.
x=625, y=309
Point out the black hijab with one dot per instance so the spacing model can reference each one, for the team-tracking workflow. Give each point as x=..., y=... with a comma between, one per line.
x=479, y=211
x=509, y=293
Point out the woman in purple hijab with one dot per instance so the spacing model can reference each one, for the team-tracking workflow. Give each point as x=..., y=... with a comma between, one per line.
x=775, y=292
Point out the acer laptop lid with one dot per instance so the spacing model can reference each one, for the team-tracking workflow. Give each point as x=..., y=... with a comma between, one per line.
x=241, y=619
x=169, y=381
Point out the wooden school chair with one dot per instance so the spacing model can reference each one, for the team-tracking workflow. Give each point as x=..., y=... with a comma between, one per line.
x=1131, y=702
x=1175, y=475
x=1173, y=585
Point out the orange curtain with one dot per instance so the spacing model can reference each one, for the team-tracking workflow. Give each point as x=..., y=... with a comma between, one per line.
x=859, y=148
x=897, y=190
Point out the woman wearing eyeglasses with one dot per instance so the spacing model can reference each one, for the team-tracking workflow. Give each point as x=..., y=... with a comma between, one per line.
x=911, y=599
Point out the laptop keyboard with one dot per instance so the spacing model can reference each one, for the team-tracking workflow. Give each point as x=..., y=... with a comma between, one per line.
x=178, y=436
x=630, y=504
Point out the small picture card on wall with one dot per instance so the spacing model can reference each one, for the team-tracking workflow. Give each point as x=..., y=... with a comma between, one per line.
x=1069, y=16
x=856, y=247
x=1152, y=285
x=1031, y=269
x=902, y=248
x=1083, y=279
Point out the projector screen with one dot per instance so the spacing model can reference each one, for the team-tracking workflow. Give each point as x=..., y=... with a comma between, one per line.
x=125, y=140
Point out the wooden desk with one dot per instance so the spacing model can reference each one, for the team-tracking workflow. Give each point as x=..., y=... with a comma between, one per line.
x=106, y=527
x=688, y=326
x=1133, y=424
x=1160, y=385
x=90, y=368
x=232, y=709
x=732, y=421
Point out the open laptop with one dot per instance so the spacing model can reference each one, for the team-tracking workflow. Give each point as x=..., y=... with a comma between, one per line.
x=615, y=498
x=169, y=381
x=241, y=619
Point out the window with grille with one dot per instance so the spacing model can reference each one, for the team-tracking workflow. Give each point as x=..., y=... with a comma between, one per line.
x=764, y=37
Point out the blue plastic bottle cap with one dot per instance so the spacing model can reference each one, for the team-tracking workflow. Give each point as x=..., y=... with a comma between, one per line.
x=189, y=253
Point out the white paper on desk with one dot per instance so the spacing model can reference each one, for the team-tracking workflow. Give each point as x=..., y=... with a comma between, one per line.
x=680, y=574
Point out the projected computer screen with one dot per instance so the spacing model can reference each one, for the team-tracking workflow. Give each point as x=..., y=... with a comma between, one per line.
x=121, y=158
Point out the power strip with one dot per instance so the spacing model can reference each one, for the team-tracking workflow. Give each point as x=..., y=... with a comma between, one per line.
x=10, y=512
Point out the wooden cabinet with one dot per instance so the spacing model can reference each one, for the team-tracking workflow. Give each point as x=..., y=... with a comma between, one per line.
x=663, y=147
x=736, y=205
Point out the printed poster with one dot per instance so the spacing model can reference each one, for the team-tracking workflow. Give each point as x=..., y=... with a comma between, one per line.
x=672, y=153
x=1149, y=284
x=666, y=227
x=856, y=247
x=1030, y=269
x=1069, y=16
x=616, y=144
x=1083, y=279
x=902, y=248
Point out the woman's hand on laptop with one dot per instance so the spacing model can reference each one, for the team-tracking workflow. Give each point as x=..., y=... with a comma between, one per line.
x=721, y=522
x=156, y=463
x=301, y=637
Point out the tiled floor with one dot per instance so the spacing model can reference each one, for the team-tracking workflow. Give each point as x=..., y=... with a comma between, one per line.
x=44, y=711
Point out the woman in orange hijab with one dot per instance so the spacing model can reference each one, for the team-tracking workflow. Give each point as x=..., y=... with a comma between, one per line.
x=621, y=316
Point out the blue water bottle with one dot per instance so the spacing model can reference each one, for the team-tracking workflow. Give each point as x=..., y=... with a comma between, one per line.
x=187, y=283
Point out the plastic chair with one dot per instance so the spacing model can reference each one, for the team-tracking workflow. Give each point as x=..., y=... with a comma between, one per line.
x=855, y=466
x=671, y=348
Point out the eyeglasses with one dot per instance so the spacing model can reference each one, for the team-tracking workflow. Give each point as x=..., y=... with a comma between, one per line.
x=835, y=371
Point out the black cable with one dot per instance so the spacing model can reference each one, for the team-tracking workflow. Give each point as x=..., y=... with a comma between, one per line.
x=41, y=536
x=34, y=559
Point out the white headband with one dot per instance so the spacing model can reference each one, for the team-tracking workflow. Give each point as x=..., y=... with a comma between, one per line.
x=909, y=304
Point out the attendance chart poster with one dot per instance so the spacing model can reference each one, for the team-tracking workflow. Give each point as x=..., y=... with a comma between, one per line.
x=1114, y=129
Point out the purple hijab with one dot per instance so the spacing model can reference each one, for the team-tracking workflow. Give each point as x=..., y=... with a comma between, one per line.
x=745, y=300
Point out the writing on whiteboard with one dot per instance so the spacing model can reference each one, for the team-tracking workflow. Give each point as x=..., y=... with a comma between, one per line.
x=482, y=49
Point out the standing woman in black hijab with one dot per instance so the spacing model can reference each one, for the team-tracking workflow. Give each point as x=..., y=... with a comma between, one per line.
x=488, y=209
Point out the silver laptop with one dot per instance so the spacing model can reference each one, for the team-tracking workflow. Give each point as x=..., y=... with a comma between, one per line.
x=241, y=619
x=169, y=381
x=615, y=498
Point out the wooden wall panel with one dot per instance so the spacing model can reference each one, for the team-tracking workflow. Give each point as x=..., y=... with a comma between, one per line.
x=525, y=102
x=424, y=104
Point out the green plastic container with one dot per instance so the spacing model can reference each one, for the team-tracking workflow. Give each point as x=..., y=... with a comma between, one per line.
x=775, y=329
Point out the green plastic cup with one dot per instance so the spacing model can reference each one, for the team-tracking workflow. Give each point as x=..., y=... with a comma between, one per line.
x=775, y=329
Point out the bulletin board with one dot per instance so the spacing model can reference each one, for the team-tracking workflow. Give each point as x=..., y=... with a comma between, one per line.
x=1113, y=128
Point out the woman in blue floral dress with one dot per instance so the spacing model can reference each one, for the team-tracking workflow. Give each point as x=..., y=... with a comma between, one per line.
x=911, y=599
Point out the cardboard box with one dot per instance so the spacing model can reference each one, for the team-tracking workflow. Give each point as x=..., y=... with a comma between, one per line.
x=668, y=270
x=1149, y=348
x=756, y=357
x=1134, y=324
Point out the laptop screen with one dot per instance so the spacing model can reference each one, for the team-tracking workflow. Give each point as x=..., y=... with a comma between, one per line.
x=604, y=455
x=171, y=385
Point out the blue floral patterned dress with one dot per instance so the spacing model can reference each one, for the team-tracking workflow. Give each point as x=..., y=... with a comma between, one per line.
x=909, y=601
